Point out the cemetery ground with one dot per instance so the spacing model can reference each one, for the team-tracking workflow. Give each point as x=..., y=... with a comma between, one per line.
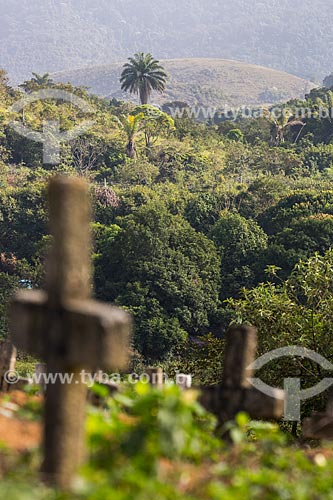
x=148, y=442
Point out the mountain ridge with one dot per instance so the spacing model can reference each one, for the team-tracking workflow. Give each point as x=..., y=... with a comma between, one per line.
x=51, y=35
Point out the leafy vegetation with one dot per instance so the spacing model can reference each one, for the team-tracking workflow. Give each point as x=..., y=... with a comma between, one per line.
x=197, y=225
x=159, y=443
x=187, y=214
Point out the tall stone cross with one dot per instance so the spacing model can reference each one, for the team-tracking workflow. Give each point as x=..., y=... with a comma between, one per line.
x=67, y=329
x=236, y=394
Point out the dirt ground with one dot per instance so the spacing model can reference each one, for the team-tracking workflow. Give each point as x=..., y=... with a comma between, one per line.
x=17, y=432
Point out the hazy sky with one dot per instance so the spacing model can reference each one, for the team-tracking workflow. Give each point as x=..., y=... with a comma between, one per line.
x=50, y=35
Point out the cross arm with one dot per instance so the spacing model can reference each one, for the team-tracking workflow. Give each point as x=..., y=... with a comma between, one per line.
x=83, y=333
x=226, y=402
x=27, y=321
x=319, y=426
x=100, y=334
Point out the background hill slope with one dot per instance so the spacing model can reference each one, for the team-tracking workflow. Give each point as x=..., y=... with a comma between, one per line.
x=209, y=82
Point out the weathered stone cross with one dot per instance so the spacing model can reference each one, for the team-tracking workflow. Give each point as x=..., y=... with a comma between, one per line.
x=236, y=394
x=68, y=329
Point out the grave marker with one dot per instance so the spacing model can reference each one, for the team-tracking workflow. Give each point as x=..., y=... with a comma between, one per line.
x=67, y=329
x=156, y=376
x=7, y=363
x=236, y=394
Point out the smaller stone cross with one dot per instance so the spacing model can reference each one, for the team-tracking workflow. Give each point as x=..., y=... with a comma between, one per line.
x=236, y=394
x=7, y=364
x=67, y=329
x=156, y=376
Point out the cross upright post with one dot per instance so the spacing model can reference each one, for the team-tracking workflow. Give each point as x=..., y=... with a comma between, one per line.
x=67, y=329
x=236, y=394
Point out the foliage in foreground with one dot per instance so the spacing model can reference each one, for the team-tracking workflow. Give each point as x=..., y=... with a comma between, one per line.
x=159, y=444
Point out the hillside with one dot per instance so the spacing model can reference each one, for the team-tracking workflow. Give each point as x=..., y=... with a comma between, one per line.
x=209, y=82
x=53, y=35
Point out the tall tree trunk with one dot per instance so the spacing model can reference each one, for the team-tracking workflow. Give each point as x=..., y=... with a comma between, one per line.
x=131, y=149
x=144, y=94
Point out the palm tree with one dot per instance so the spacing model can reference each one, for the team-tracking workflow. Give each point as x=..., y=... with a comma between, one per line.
x=327, y=104
x=131, y=126
x=141, y=75
x=42, y=79
x=280, y=124
x=37, y=82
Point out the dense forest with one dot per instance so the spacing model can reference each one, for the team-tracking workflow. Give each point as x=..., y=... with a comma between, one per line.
x=196, y=224
x=53, y=35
